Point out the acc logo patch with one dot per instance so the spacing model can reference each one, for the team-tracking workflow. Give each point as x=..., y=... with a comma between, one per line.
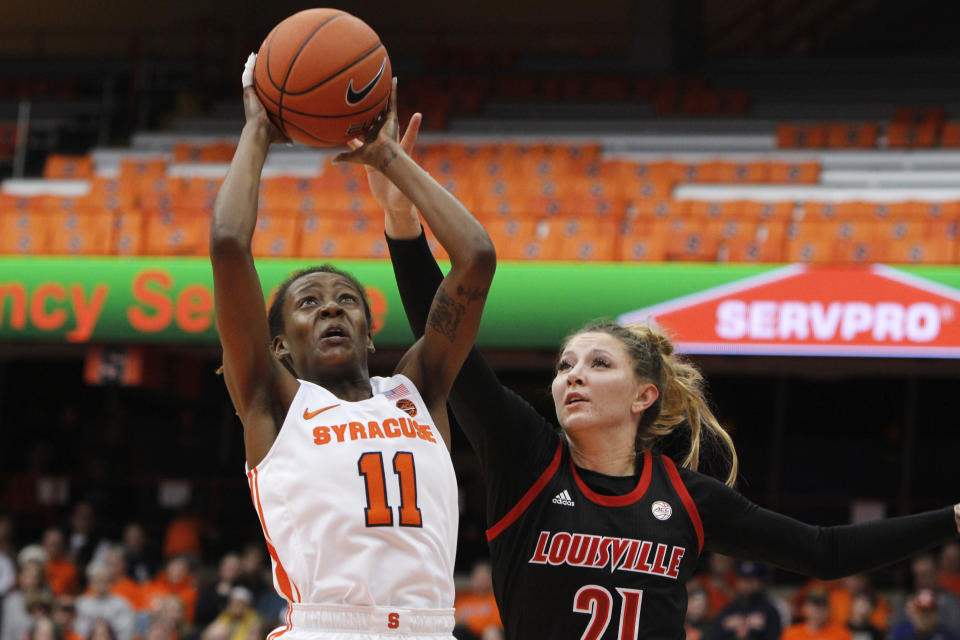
x=408, y=406
x=661, y=510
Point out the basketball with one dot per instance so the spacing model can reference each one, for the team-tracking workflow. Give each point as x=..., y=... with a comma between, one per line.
x=324, y=76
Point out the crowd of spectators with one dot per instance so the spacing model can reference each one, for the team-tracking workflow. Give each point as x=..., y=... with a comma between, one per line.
x=732, y=601
x=72, y=583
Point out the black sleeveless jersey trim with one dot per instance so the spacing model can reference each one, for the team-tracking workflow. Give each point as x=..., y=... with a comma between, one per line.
x=685, y=498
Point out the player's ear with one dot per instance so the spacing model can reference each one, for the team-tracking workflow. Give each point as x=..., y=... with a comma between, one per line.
x=279, y=346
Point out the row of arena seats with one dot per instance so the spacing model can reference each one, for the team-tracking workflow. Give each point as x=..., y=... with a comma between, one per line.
x=815, y=237
x=909, y=128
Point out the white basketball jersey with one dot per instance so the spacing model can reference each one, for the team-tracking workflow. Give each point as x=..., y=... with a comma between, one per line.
x=358, y=501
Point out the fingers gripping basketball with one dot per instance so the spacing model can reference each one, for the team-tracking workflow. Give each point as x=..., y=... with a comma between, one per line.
x=323, y=76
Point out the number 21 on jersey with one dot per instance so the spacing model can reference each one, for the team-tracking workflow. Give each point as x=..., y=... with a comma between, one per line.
x=378, y=512
x=597, y=601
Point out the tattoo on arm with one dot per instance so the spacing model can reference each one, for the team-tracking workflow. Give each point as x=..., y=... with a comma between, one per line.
x=446, y=314
x=387, y=159
x=471, y=295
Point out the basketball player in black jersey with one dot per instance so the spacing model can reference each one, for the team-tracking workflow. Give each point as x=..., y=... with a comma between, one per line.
x=593, y=534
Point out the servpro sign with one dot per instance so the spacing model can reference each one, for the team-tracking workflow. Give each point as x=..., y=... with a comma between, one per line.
x=804, y=310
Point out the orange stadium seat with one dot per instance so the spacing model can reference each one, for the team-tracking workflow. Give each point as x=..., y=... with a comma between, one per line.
x=950, y=135
x=754, y=210
x=794, y=172
x=112, y=194
x=518, y=238
x=808, y=242
x=345, y=177
x=89, y=233
x=586, y=240
x=179, y=233
x=692, y=240
x=657, y=209
x=807, y=136
x=852, y=136
x=637, y=191
x=704, y=210
x=204, y=152
x=24, y=232
x=826, y=211
x=276, y=235
x=141, y=171
x=751, y=241
x=733, y=172
x=340, y=236
x=643, y=240
x=128, y=232
x=59, y=166
x=906, y=135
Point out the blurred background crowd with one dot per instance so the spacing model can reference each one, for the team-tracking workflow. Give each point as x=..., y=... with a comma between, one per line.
x=78, y=581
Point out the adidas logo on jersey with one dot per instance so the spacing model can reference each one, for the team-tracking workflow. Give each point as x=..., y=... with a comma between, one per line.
x=563, y=498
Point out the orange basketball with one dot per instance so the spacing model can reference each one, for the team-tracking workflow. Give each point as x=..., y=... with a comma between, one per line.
x=324, y=76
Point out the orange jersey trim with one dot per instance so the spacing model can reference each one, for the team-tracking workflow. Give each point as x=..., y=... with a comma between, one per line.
x=287, y=586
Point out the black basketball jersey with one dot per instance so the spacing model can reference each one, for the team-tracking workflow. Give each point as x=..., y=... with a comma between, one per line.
x=569, y=562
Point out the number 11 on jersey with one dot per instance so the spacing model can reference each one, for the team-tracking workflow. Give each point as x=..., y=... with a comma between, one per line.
x=377, y=512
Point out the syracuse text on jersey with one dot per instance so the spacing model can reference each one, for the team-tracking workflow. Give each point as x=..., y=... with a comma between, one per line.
x=599, y=552
x=389, y=428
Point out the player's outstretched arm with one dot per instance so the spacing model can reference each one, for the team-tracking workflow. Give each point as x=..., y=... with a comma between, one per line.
x=457, y=306
x=737, y=527
x=261, y=389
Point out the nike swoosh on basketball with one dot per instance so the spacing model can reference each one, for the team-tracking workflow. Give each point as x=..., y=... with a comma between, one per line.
x=307, y=414
x=353, y=97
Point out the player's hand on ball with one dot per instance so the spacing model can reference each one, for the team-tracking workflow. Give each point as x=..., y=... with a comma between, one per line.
x=253, y=108
x=379, y=146
x=385, y=192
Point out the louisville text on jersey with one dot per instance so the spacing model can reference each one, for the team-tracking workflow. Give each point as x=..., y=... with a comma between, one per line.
x=600, y=552
x=389, y=428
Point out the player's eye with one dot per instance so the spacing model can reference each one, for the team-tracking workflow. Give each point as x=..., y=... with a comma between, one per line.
x=306, y=300
x=563, y=365
x=601, y=362
x=347, y=297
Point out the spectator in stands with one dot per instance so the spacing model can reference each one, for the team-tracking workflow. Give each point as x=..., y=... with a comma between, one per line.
x=140, y=559
x=175, y=580
x=924, y=570
x=923, y=620
x=751, y=615
x=30, y=583
x=8, y=570
x=101, y=630
x=60, y=570
x=84, y=542
x=238, y=620
x=719, y=582
x=862, y=607
x=841, y=601
x=169, y=616
x=816, y=623
x=213, y=598
x=477, y=608
x=44, y=628
x=98, y=602
x=948, y=571
x=120, y=583
x=698, y=613
x=65, y=615
x=254, y=572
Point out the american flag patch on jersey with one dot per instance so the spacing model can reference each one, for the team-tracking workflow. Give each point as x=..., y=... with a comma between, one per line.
x=397, y=391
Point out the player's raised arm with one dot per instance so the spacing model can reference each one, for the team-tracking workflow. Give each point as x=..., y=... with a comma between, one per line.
x=259, y=386
x=454, y=318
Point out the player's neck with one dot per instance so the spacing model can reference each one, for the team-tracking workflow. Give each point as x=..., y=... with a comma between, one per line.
x=609, y=452
x=350, y=388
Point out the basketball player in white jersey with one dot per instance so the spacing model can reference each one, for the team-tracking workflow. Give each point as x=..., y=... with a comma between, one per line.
x=350, y=475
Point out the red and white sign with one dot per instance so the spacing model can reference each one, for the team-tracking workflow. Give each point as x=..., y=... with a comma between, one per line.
x=807, y=310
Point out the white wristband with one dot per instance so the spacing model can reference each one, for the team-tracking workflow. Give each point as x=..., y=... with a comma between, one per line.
x=247, y=77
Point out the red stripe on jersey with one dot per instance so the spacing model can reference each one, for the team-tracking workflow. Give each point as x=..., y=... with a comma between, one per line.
x=685, y=498
x=287, y=587
x=618, y=501
x=527, y=498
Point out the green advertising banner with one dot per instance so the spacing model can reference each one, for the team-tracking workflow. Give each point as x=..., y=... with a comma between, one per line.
x=170, y=300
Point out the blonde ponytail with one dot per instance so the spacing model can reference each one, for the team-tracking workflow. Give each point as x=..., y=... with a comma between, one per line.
x=682, y=401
